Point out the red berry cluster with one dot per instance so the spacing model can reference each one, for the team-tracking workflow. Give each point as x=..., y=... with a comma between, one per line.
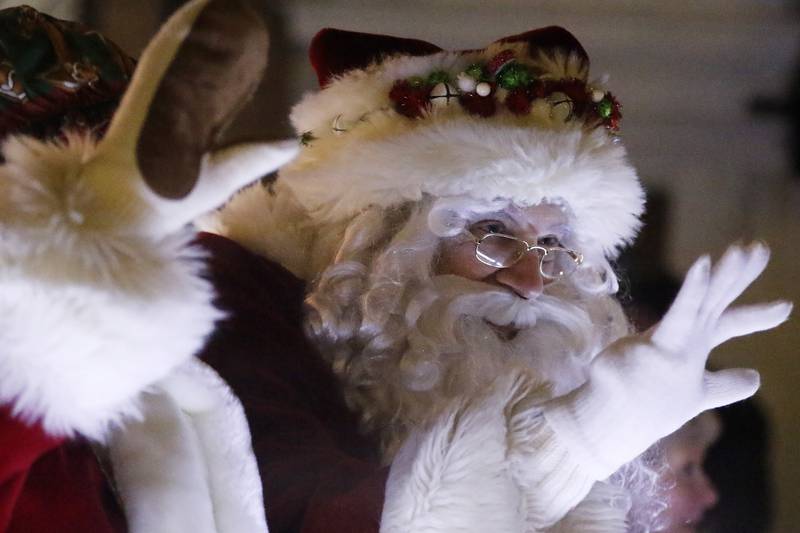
x=475, y=104
x=519, y=101
x=412, y=97
x=410, y=100
x=612, y=122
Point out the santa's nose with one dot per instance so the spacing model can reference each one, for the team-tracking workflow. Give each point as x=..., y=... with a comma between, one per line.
x=707, y=493
x=523, y=277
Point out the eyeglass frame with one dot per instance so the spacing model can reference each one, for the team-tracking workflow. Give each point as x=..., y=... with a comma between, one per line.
x=576, y=256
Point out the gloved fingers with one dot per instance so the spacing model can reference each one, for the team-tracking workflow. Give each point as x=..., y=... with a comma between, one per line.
x=735, y=271
x=681, y=317
x=222, y=174
x=728, y=386
x=747, y=319
x=723, y=278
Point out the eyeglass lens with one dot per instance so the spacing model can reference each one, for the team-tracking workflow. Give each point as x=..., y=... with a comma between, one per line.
x=558, y=263
x=502, y=251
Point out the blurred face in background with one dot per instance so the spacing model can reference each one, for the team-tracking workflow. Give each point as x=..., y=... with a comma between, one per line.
x=691, y=492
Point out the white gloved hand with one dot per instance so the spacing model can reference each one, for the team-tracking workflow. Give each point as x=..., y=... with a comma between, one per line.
x=643, y=387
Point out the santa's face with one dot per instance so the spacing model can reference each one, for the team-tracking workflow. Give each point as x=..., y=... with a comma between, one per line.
x=512, y=314
x=544, y=225
x=692, y=493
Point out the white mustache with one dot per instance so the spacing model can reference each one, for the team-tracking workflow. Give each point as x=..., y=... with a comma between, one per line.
x=454, y=315
x=454, y=296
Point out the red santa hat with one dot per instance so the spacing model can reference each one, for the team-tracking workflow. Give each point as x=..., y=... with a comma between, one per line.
x=397, y=119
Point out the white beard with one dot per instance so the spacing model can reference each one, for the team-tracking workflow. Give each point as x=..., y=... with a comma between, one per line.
x=461, y=323
x=406, y=350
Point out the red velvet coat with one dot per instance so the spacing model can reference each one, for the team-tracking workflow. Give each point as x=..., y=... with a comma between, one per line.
x=318, y=473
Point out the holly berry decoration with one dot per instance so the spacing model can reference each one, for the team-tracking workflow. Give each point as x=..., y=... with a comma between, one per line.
x=484, y=106
x=438, y=76
x=609, y=111
x=514, y=76
x=477, y=72
x=518, y=102
x=499, y=61
x=410, y=98
x=504, y=81
x=604, y=108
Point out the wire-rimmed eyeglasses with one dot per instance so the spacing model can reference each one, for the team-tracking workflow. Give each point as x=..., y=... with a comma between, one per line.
x=499, y=250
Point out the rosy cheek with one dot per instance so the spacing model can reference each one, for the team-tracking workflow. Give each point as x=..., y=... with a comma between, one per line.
x=680, y=504
x=459, y=259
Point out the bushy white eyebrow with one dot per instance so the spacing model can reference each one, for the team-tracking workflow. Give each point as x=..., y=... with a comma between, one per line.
x=517, y=220
x=560, y=230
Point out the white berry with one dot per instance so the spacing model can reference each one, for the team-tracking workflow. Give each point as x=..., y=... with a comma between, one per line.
x=466, y=83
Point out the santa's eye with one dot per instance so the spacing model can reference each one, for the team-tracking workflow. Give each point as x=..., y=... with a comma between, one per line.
x=550, y=241
x=690, y=469
x=485, y=227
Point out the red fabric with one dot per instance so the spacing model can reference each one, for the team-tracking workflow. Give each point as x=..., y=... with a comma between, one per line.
x=319, y=474
x=334, y=52
x=48, y=485
x=20, y=446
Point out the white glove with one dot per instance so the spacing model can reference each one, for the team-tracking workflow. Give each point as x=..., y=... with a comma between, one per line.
x=100, y=292
x=644, y=387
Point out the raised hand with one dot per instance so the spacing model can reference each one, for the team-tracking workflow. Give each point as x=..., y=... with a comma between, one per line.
x=644, y=387
x=701, y=319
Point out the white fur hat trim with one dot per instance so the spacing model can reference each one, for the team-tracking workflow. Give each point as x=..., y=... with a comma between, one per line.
x=385, y=159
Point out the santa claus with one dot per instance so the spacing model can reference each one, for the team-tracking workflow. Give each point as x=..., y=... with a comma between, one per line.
x=412, y=329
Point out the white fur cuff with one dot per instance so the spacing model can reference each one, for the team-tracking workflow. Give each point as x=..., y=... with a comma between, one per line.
x=490, y=464
x=90, y=314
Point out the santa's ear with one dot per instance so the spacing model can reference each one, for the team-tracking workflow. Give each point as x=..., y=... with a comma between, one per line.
x=334, y=52
x=192, y=79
